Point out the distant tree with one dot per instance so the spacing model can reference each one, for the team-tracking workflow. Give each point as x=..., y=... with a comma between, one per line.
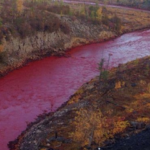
x=61, y=2
x=99, y=13
x=1, y=22
x=82, y=11
x=117, y=23
x=19, y=6
x=92, y=14
x=103, y=71
x=92, y=11
x=71, y=12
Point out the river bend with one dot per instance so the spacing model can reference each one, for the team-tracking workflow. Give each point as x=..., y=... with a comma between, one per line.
x=43, y=85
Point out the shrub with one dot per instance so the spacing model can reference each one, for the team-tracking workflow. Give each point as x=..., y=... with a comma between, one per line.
x=29, y=21
x=65, y=28
x=2, y=57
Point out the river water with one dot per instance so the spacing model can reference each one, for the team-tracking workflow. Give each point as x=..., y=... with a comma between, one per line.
x=43, y=85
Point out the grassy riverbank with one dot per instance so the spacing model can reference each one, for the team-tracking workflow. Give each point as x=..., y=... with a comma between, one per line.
x=38, y=29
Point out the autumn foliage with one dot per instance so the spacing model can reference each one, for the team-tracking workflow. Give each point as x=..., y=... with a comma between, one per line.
x=20, y=18
x=115, y=112
x=91, y=125
x=17, y=21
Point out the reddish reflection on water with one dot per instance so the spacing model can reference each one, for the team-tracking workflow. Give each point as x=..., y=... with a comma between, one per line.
x=33, y=89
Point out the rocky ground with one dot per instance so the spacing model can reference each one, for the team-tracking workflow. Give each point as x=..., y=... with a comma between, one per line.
x=111, y=113
x=140, y=141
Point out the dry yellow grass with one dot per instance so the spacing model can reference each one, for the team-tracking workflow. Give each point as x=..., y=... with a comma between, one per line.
x=131, y=19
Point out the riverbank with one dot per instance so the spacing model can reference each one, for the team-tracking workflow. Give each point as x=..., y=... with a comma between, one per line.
x=101, y=111
x=17, y=52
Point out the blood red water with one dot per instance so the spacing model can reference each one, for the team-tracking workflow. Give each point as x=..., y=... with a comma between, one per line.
x=45, y=84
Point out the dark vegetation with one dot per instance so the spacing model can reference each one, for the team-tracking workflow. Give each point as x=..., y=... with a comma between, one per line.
x=27, y=21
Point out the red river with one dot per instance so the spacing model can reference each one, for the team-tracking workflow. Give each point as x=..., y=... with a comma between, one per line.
x=43, y=85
